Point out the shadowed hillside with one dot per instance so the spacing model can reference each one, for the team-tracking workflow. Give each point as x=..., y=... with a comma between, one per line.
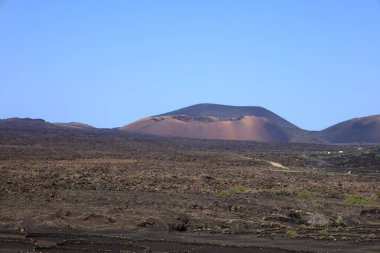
x=357, y=130
x=27, y=123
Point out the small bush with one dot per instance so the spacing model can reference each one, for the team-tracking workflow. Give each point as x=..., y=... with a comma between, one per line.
x=339, y=221
x=371, y=237
x=323, y=232
x=340, y=229
x=73, y=171
x=318, y=220
x=291, y=233
x=356, y=199
x=378, y=194
x=231, y=191
x=306, y=194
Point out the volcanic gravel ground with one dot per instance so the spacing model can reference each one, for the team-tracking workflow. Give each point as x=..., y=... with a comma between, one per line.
x=78, y=190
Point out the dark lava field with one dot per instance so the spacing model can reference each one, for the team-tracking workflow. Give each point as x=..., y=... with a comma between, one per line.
x=91, y=190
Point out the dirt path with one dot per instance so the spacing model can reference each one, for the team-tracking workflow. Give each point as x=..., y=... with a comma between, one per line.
x=147, y=241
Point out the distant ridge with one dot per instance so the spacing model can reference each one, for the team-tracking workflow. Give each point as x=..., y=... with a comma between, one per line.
x=28, y=123
x=223, y=122
x=23, y=123
x=74, y=125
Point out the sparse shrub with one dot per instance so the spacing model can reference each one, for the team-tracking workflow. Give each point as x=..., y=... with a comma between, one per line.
x=226, y=231
x=318, y=208
x=291, y=233
x=356, y=199
x=323, y=232
x=340, y=229
x=306, y=194
x=318, y=220
x=374, y=223
x=164, y=186
x=315, y=208
x=73, y=171
x=275, y=190
x=378, y=194
x=231, y=191
x=339, y=221
x=371, y=237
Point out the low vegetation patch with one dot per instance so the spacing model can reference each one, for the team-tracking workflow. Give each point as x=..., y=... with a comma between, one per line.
x=306, y=194
x=339, y=221
x=72, y=171
x=276, y=191
x=323, y=232
x=231, y=191
x=356, y=199
x=291, y=233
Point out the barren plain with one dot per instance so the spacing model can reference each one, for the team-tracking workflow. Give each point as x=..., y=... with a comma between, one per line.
x=90, y=190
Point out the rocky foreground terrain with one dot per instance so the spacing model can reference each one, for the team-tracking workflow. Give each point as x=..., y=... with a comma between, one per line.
x=93, y=190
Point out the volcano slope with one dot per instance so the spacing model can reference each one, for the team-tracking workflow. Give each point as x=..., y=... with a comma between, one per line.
x=357, y=130
x=70, y=190
x=213, y=121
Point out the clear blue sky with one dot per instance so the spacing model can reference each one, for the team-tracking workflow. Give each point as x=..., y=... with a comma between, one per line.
x=108, y=63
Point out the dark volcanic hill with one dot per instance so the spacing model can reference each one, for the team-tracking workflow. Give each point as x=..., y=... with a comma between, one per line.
x=77, y=125
x=27, y=123
x=357, y=130
x=213, y=121
x=24, y=123
x=229, y=112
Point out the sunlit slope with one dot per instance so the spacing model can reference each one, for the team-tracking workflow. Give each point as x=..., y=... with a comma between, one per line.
x=211, y=121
